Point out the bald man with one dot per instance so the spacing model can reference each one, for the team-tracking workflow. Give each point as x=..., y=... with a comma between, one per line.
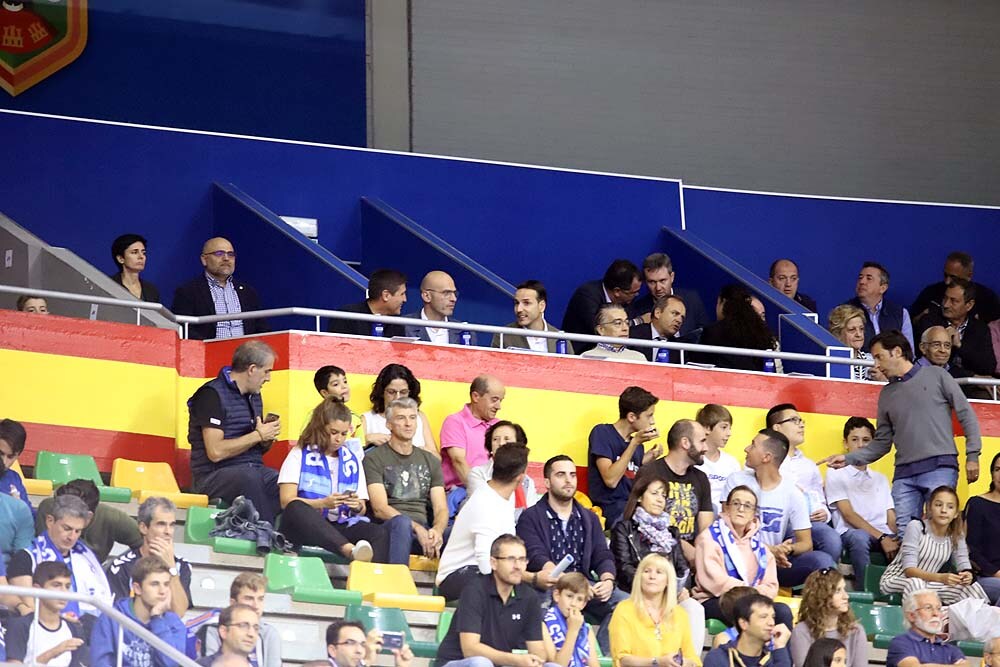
x=215, y=292
x=463, y=435
x=439, y=296
x=936, y=349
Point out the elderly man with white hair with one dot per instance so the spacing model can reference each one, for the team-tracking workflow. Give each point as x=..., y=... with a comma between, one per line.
x=925, y=643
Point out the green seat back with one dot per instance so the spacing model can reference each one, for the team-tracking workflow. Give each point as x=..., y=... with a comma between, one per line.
x=873, y=573
x=62, y=468
x=285, y=573
x=444, y=622
x=380, y=618
x=198, y=524
x=866, y=617
x=889, y=620
x=714, y=626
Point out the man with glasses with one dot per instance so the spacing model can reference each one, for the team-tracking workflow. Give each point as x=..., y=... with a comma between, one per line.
x=926, y=642
x=216, y=292
x=971, y=343
x=958, y=265
x=348, y=646
x=498, y=620
x=620, y=286
x=936, y=349
x=239, y=628
x=439, y=294
x=248, y=590
x=658, y=274
x=612, y=321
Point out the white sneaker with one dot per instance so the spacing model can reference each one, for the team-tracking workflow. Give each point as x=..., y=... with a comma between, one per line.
x=362, y=551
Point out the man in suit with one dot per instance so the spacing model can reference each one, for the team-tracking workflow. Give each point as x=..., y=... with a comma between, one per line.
x=386, y=296
x=215, y=292
x=958, y=265
x=438, y=293
x=619, y=286
x=530, y=301
x=880, y=313
x=971, y=343
x=666, y=321
x=658, y=274
x=784, y=277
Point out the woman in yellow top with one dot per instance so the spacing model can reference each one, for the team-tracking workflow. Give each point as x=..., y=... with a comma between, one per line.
x=649, y=629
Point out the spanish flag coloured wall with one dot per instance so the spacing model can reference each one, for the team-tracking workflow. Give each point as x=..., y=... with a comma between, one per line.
x=115, y=390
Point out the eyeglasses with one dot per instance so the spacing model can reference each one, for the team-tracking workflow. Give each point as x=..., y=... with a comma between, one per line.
x=350, y=643
x=617, y=323
x=446, y=292
x=518, y=560
x=797, y=420
x=231, y=254
x=736, y=505
x=402, y=393
x=245, y=626
x=939, y=345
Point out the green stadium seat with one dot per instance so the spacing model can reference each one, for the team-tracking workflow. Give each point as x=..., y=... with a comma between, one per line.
x=392, y=620
x=861, y=596
x=444, y=622
x=323, y=555
x=888, y=624
x=971, y=649
x=872, y=576
x=865, y=615
x=306, y=579
x=714, y=626
x=62, y=468
x=604, y=660
x=199, y=523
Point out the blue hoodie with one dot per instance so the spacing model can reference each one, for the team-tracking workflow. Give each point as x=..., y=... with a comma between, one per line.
x=104, y=640
x=12, y=485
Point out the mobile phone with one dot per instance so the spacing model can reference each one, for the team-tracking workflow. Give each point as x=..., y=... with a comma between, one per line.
x=679, y=658
x=271, y=417
x=392, y=640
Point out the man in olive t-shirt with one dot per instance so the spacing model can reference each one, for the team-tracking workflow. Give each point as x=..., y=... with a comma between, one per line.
x=107, y=525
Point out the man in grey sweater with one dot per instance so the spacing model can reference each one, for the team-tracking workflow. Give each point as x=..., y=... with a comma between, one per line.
x=914, y=411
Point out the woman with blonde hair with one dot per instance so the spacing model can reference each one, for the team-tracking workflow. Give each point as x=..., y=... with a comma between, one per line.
x=649, y=629
x=825, y=612
x=847, y=323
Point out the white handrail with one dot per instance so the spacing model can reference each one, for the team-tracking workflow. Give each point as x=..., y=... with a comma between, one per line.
x=993, y=383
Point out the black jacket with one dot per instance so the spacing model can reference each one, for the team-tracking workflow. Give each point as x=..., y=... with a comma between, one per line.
x=975, y=357
x=629, y=547
x=359, y=328
x=194, y=298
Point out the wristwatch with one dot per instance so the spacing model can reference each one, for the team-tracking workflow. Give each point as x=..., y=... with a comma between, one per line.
x=885, y=535
x=173, y=571
x=656, y=662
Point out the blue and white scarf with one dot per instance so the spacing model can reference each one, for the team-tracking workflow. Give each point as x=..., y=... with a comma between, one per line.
x=723, y=536
x=315, y=481
x=85, y=570
x=555, y=624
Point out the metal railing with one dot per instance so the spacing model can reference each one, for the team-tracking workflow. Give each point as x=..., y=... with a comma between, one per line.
x=992, y=383
x=108, y=609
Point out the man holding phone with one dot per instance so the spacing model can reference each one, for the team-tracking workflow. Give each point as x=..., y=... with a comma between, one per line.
x=348, y=646
x=229, y=432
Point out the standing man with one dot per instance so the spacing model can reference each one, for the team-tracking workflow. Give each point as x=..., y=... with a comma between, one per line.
x=665, y=324
x=438, y=292
x=658, y=274
x=530, y=301
x=239, y=628
x=914, y=412
x=348, y=646
x=463, y=436
x=229, y=432
x=619, y=287
x=971, y=342
x=784, y=277
x=958, y=265
x=880, y=314
x=216, y=293
x=386, y=296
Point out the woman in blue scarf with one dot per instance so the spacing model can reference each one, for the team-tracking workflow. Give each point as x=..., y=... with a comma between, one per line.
x=323, y=491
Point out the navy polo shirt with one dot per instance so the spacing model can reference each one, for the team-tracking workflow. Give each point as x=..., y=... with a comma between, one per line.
x=913, y=644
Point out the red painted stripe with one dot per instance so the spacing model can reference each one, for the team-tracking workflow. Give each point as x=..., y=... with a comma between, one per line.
x=104, y=446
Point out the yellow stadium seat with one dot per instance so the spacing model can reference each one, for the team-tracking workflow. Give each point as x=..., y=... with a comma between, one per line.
x=585, y=501
x=147, y=479
x=34, y=487
x=390, y=586
x=423, y=564
x=793, y=604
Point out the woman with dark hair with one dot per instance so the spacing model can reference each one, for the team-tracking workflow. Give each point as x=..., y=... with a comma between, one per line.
x=396, y=381
x=738, y=325
x=825, y=652
x=128, y=252
x=982, y=520
x=499, y=434
x=825, y=613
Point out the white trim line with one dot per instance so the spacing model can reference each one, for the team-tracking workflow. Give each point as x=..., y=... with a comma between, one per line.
x=860, y=199
x=683, y=215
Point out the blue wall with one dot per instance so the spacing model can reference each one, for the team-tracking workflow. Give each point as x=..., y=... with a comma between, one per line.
x=264, y=67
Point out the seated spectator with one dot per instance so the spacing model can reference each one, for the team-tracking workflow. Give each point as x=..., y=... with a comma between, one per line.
x=664, y=324
x=611, y=321
x=112, y=645
x=530, y=301
x=348, y=646
x=616, y=451
x=403, y=481
x=248, y=590
x=496, y=615
x=925, y=643
x=558, y=526
x=32, y=304
x=386, y=296
x=971, y=342
x=762, y=639
x=16, y=525
x=645, y=527
x=863, y=512
x=463, y=436
x=12, y=439
x=936, y=346
x=61, y=542
x=786, y=530
x=717, y=464
x=569, y=640
x=649, y=627
x=129, y=254
x=958, y=265
x=157, y=518
x=238, y=631
x=732, y=554
x=982, y=520
x=738, y=325
x=991, y=648
x=45, y=637
x=784, y=277
x=880, y=314
x=483, y=518
x=216, y=292
x=229, y=434
x=658, y=274
x=619, y=287
x=106, y=526
x=500, y=434
x=847, y=324
x=438, y=292
x=689, y=495
x=826, y=652
x=930, y=544
x=825, y=612
x=804, y=473
x=727, y=603
x=396, y=381
x=332, y=381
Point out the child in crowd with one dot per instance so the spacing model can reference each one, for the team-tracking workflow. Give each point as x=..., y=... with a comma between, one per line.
x=718, y=465
x=44, y=636
x=332, y=381
x=569, y=640
x=727, y=604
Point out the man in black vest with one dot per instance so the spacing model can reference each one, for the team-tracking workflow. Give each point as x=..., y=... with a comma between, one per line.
x=880, y=314
x=229, y=433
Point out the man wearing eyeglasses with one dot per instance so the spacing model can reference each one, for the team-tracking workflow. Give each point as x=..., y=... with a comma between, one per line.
x=958, y=265
x=347, y=645
x=925, y=643
x=936, y=346
x=612, y=321
x=619, y=287
x=239, y=627
x=216, y=292
x=971, y=348
x=439, y=294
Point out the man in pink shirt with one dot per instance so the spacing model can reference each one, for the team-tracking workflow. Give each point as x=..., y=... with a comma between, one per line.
x=463, y=436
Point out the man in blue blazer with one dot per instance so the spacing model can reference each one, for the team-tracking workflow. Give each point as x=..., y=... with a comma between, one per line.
x=438, y=293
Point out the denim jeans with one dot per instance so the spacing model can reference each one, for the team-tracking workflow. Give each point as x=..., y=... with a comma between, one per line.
x=992, y=587
x=910, y=493
x=859, y=545
x=827, y=540
x=400, y=529
x=802, y=566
